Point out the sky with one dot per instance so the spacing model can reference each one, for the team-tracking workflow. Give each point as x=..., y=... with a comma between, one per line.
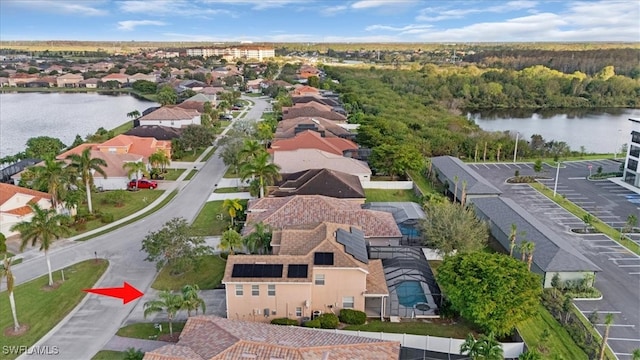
x=321, y=20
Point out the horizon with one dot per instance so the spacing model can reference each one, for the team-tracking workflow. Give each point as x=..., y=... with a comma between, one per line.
x=321, y=22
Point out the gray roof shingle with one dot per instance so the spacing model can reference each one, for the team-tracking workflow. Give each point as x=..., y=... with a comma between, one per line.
x=450, y=167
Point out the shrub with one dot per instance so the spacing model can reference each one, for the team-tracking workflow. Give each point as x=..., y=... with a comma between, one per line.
x=328, y=321
x=115, y=197
x=352, y=317
x=284, y=321
x=106, y=218
x=517, y=173
x=133, y=354
x=315, y=323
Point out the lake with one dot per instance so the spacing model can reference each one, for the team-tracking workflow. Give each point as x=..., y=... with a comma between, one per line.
x=598, y=130
x=60, y=115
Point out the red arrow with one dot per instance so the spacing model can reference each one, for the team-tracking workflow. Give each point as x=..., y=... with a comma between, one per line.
x=127, y=292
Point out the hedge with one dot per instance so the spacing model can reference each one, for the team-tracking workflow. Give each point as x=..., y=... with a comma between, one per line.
x=353, y=317
x=284, y=321
x=328, y=321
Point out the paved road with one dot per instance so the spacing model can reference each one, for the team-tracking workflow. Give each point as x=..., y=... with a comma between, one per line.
x=92, y=324
x=619, y=280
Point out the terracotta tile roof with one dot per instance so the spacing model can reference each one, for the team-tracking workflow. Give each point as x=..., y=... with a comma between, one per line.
x=302, y=90
x=21, y=211
x=144, y=146
x=314, y=209
x=171, y=113
x=320, y=182
x=376, y=282
x=304, y=159
x=310, y=111
x=190, y=105
x=211, y=337
x=114, y=76
x=314, y=104
x=313, y=140
x=7, y=191
x=290, y=127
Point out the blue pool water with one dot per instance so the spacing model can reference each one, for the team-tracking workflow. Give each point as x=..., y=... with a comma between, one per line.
x=410, y=293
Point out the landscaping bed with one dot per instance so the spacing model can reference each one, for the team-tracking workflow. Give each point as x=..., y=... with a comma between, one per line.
x=207, y=276
x=433, y=327
x=148, y=331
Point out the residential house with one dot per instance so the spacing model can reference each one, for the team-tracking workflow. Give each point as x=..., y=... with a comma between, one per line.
x=407, y=215
x=305, y=90
x=553, y=254
x=215, y=338
x=172, y=117
x=304, y=159
x=102, y=66
x=379, y=227
x=197, y=102
x=212, y=90
x=140, y=76
x=45, y=81
x=69, y=80
x=314, y=269
x=254, y=86
x=469, y=182
x=121, y=78
x=8, y=172
x=4, y=81
x=126, y=144
x=91, y=83
x=300, y=110
x=326, y=128
x=14, y=205
x=155, y=131
x=320, y=182
x=21, y=79
x=313, y=140
x=316, y=98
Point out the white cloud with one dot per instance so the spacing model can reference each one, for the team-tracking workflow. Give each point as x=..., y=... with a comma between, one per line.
x=88, y=8
x=168, y=8
x=368, y=4
x=129, y=25
x=259, y=4
x=433, y=14
x=333, y=10
x=402, y=29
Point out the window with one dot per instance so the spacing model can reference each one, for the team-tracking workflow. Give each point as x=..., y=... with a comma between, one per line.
x=271, y=290
x=298, y=312
x=239, y=290
x=347, y=302
x=632, y=165
x=319, y=279
x=255, y=290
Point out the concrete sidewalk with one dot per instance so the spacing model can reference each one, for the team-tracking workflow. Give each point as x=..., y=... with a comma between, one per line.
x=119, y=343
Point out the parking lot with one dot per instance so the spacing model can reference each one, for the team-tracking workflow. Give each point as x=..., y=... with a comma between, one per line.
x=619, y=280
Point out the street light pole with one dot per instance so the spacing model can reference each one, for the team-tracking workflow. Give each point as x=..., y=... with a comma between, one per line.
x=555, y=186
x=515, y=150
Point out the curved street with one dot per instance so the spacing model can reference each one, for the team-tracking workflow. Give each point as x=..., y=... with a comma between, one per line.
x=96, y=319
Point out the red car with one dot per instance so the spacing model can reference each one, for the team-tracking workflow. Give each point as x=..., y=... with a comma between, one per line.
x=142, y=184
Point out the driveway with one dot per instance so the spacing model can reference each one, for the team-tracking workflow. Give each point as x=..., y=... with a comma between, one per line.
x=620, y=274
x=91, y=325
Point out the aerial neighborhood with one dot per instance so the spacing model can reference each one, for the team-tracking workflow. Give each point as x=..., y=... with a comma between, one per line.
x=266, y=213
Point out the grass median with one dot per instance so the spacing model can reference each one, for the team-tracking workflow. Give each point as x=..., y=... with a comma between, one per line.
x=40, y=308
x=207, y=276
x=148, y=331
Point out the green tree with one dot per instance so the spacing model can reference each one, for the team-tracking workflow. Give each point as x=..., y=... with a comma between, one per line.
x=232, y=206
x=168, y=303
x=197, y=136
x=260, y=167
x=526, y=250
x=133, y=114
x=5, y=272
x=395, y=159
x=494, y=291
x=133, y=354
x=531, y=354
x=259, y=241
x=229, y=241
x=588, y=220
x=635, y=354
x=55, y=177
x=145, y=86
x=45, y=227
x=86, y=167
x=3, y=243
x=138, y=168
x=167, y=96
x=43, y=146
x=77, y=141
x=159, y=159
x=192, y=300
x=632, y=222
x=486, y=347
x=230, y=153
x=175, y=245
x=448, y=227
x=313, y=81
x=537, y=165
x=250, y=150
x=608, y=321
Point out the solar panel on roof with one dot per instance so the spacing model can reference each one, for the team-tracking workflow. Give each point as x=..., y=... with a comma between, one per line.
x=354, y=243
x=257, y=270
x=323, y=258
x=297, y=271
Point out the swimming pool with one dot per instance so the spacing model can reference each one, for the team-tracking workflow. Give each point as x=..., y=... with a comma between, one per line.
x=410, y=293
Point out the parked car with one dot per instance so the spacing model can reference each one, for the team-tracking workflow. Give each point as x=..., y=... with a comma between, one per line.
x=142, y=184
x=236, y=108
x=226, y=117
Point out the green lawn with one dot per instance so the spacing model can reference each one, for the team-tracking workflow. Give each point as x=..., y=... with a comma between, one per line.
x=223, y=125
x=235, y=114
x=559, y=345
x=458, y=330
x=423, y=184
x=135, y=201
x=191, y=174
x=109, y=355
x=190, y=156
x=173, y=174
x=42, y=310
x=229, y=190
x=207, y=276
x=208, y=223
x=147, y=330
x=123, y=128
x=390, y=195
x=230, y=174
x=580, y=213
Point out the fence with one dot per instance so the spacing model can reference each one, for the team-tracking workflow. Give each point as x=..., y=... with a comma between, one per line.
x=429, y=343
x=390, y=185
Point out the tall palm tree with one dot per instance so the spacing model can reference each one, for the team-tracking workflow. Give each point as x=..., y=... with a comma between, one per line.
x=159, y=159
x=191, y=299
x=85, y=166
x=168, y=302
x=470, y=347
x=136, y=168
x=133, y=114
x=260, y=167
x=250, y=150
x=463, y=198
x=490, y=348
x=526, y=249
x=608, y=321
x=455, y=188
x=259, y=241
x=7, y=273
x=45, y=226
x=230, y=239
x=531, y=354
x=512, y=238
x=55, y=176
x=232, y=206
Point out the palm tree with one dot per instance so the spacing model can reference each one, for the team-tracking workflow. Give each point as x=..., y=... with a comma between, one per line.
x=526, y=249
x=55, y=177
x=608, y=321
x=169, y=302
x=455, y=188
x=470, y=347
x=259, y=241
x=490, y=348
x=499, y=148
x=632, y=222
x=512, y=238
x=191, y=299
x=232, y=206
x=45, y=226
x=250, y=150
x=7, y=273
x=85, y=166
x=159, y=159
x=530, y=354
x=463, y=198
x=588, y=219
x=635, y=354
x=260, y=167
x=133, y=114
x=135, y=168
x=230, y=239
